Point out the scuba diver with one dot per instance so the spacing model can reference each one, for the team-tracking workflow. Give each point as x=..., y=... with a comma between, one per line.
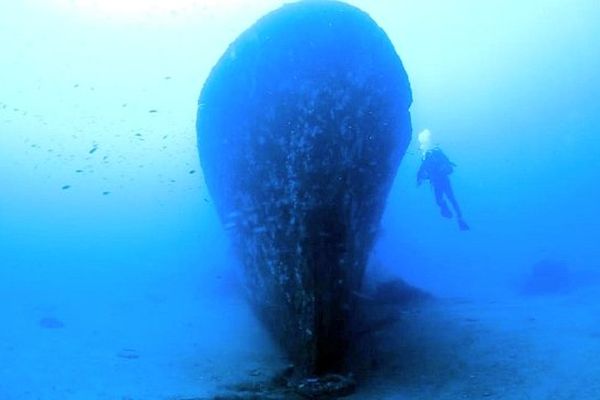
x=436, y=167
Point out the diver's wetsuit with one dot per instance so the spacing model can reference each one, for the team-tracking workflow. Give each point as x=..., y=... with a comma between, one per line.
x=436, y=167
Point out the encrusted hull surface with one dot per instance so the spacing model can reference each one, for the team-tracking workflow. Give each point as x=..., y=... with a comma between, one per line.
x=301, y=127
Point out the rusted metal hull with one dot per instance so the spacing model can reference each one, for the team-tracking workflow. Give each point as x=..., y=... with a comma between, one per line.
x=301, y=127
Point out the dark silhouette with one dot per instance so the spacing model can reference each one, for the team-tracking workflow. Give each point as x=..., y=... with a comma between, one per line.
x=436, y=167
x=302, y=125
x=548, y=277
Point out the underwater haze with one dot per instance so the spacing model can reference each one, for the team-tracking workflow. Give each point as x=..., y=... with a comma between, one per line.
x=118, y=281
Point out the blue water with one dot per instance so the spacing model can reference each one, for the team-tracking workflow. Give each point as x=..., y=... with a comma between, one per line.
x=117, y=281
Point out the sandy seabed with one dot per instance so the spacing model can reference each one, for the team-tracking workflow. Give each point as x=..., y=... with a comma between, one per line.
x=504, y=348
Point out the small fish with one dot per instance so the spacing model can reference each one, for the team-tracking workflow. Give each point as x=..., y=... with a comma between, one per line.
x=192, y=171
x=51, y=323
x=153, y=111
x=129, y=354
x=93, y=150
x=105, y=193
x=66, y=187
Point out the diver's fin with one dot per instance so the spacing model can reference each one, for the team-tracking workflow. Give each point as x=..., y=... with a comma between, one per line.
x=463, y=225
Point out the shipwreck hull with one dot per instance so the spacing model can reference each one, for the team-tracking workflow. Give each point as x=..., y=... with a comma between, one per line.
x=301, y=127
